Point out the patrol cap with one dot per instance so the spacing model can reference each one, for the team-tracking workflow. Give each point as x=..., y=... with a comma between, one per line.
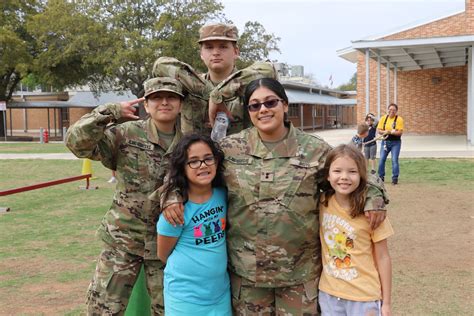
x=163, y=84
x=218, y=31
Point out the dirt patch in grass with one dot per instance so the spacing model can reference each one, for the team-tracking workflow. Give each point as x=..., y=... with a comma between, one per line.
x=48, y=298
x=432, y=250
x=30, y=287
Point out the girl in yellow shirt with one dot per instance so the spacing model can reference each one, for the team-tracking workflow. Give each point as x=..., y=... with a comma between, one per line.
x=357, y=269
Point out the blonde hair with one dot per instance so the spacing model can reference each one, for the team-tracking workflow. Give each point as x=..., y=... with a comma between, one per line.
x=362, y=128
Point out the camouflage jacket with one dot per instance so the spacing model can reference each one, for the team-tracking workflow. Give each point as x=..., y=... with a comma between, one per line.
x=273, y=221
x=199, y=89
x=137, y=154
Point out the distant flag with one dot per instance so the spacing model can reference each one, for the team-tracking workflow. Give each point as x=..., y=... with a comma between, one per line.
x=330, y=80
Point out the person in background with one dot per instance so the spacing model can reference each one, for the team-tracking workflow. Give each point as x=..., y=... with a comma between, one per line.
x=370, y=144
x=357, y=269
x=138, y=150
x=113, y=179
x=391, y=127
x=362, y=132
x=196, y=281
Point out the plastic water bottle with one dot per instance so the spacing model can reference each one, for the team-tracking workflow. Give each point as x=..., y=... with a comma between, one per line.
x=219, y=130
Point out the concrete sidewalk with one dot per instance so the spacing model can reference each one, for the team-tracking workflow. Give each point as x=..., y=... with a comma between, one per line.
x=413, y=146
x=38, y=156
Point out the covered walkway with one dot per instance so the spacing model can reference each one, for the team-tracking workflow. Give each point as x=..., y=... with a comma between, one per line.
x=415, y=54
x=413, y=146
x=312, y=107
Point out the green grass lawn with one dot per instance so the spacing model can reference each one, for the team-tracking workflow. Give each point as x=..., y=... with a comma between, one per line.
x=32, y=148
x=48, y=237
x=440, y=172
x=58, y=220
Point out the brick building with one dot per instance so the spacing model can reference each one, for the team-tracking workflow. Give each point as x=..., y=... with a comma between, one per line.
x=27, y=112
x=311, y=107
x=427, y=69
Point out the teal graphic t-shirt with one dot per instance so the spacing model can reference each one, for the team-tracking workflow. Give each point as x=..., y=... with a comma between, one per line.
x=196, y=270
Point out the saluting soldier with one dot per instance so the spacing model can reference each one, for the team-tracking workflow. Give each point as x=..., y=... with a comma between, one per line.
x=221, y=88
x=138, y=151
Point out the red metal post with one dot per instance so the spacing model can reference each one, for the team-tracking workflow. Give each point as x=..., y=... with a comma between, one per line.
x=46, y=184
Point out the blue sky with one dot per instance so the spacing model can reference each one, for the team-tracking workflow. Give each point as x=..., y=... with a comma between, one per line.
x=312, y=30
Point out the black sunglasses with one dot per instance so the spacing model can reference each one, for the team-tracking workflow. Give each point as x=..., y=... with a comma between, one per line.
x=254, y=107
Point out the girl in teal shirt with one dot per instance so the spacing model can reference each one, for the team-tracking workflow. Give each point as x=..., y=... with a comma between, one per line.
x=196, y=281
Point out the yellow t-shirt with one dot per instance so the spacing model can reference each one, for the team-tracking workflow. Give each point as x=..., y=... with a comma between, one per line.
x=349, y=270
x=389, y=124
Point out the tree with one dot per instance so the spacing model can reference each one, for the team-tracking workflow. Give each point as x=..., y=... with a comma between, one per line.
x=351, y=85
x=146, y=30
x=16, y=47
x=256, y=44
x=69, y=45
x=108, y=44
x=142, y=31
x=180, y=25
x=17, y=50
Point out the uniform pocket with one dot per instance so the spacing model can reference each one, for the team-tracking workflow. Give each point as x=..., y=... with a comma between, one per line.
x=235, y=285
x=242, y=178
x=128, y=166
x=106, y=291
x=311, y=289
x=300, y=184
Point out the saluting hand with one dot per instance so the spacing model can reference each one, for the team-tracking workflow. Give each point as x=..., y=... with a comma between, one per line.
x=218, y=107
x=128, y=109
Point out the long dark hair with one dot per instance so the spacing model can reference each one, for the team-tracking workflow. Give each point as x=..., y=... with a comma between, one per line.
x=177, y=175
x=357, y=198
x=269, y=83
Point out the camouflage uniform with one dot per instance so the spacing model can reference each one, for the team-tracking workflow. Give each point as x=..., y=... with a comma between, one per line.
x=128, y=229
x=199, y=88
x=273, y=228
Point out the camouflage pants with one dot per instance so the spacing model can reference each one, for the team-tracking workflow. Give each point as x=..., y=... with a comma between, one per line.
x=113, y=281
x=248, y=300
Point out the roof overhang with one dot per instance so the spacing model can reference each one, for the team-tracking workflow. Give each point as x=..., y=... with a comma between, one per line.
x=78, y=99
x=303, y=93
x=414, y=54
x=349, y=54
x=306, y=97
x=46, y=105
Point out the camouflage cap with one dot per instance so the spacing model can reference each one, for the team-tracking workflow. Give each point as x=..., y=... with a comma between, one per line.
x=163, y=84
x=218, y=31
